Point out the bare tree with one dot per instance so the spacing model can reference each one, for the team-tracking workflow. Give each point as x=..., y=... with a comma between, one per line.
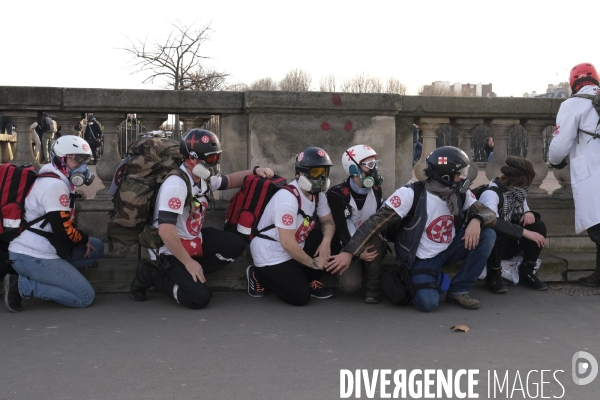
x=264, y=84
x=395, y=86
x=238, y=87
x=206, y=79
x=327, y=83
x=362, y=83
x=176, y=60
x=296, y=80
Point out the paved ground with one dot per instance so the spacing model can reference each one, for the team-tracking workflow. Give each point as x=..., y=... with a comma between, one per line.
x=244, y=348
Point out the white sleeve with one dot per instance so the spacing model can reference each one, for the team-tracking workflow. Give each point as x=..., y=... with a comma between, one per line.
x=216, y=181
x=172, y=195
x=525, y=206
x=401, y=201
x=565, y=133
x=56, y=197
x=490, y=199
x=470, y=199
x=323, y=207
x=286, y=210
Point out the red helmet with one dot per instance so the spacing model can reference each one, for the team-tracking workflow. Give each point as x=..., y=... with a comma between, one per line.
x=581, y=75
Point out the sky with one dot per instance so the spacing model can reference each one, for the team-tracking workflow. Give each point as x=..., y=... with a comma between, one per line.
x=517, y=46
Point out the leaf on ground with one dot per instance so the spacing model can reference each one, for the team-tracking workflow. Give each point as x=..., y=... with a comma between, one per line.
x=460, y=328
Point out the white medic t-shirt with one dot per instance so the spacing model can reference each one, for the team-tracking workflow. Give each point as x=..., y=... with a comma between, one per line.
x=171, y=197
x=282, y=210
x=439, y=229
x=490, y=199
x=46, y=195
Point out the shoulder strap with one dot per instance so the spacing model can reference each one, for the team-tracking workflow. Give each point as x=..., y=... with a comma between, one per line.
x=294, y=191
x=178, y=172
x=418, y=188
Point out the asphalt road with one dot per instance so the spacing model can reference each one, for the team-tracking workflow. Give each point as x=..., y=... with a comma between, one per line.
x=245, y=348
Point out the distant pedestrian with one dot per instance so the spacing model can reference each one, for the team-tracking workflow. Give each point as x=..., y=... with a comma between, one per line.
x=489, y=148
x=417, y=144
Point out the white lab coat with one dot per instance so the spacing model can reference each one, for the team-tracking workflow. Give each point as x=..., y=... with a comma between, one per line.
x=576, y=113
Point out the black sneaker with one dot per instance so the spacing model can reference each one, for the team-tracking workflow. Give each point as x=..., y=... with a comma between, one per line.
x=318, y=290
x=494, y=283
x=12, y=298
x=528, y=279
x=144, y=280
x=373, y=296
x=255, y=289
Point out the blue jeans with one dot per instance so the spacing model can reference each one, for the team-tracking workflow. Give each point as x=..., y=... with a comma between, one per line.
x=57, y=279
x=490, y=156
x=474, y=261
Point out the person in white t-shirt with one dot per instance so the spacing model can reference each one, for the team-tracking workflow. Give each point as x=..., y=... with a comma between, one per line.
x=518, y=229
x=438, y=222
x=282, y=263
x=190, y=250
x=352, y=202
x=575, y=136
x=47, y=254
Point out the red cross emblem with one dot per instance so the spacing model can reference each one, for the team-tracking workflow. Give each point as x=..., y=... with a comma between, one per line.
x=321, y=153
x=191, y=141
x=64, y=200
x=85, y=147
x=120, y=174
x=287, y=219
x=440, y=229
x=300, y=156
x=205, y=139
x=174, y=203
x=196, y=218
x=442, y=160
x=556, y=130
x=366, y=147
x=396, y=201
x=351, y=154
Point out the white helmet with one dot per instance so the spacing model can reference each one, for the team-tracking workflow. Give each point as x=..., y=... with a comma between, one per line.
x=354, y=155
x=69, y=144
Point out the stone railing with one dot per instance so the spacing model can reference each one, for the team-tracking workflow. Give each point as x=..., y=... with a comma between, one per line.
x=269, y=128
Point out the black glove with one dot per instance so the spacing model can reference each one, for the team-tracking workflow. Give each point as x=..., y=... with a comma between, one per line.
x=562, y=164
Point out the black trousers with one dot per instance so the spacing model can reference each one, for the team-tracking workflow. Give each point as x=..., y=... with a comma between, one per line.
x=594, y=234
x=290, y=280
x=506, y=247
x=219, y=248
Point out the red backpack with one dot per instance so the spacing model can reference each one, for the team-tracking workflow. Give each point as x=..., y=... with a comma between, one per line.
x=247, y=206
x=15, y=184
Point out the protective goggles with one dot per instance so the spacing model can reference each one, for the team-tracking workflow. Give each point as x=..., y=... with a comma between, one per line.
x=80, y=158
x=370, y=164
x=212, y=158
x=316, y=172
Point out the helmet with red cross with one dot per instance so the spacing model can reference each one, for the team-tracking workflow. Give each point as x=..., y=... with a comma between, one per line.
x=445, y=162
x=202, y=145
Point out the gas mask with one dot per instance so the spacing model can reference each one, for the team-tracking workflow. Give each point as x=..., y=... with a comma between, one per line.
x=464, y=184
x=315, y=181
x=203, y=172
x=371, y=178
x=81, y=175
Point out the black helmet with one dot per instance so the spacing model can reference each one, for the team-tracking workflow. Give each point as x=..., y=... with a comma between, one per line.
x=201, y=144
x=312, y=169
x=311, y=157
x=445, y=162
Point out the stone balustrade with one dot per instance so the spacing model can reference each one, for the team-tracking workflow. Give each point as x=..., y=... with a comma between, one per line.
x=269, y=128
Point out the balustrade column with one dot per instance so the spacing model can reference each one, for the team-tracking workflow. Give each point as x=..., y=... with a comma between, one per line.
x=191, y=121
x=110, y=152
x=563, y=176
x=465, y=128
x=500, y=128
x=67, y=121
x=24, y=152
x=152, y=122
x=535, y=128
x=429, y=126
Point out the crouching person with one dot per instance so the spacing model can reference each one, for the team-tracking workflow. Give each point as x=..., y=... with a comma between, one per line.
x=431, y=234
x=190, y=251
x=282, y=264
x=352, y=202
x=47, y=254
x=518, y=229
